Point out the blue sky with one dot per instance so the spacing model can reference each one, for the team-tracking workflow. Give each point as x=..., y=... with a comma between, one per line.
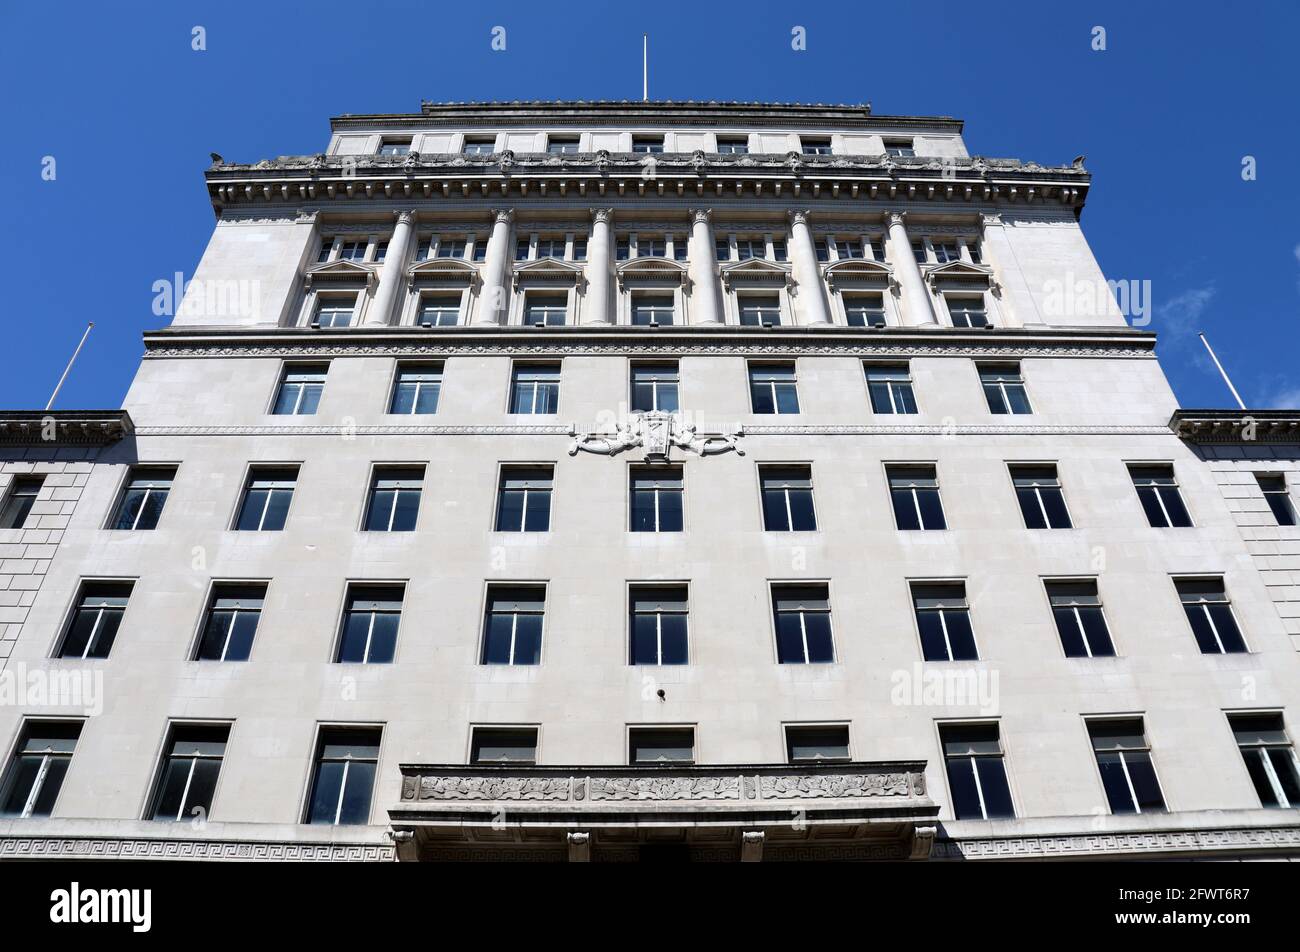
x=1165, y=115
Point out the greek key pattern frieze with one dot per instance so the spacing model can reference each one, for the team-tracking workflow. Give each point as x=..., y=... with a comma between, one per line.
x=84, y=848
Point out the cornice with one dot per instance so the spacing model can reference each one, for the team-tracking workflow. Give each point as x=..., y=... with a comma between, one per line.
x=1236, y=426
x=182, y=848
x=1100, y=845
x=53, y=428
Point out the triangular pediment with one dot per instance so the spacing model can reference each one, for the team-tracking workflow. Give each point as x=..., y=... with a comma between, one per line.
x=755, y=269
x=549, y=269
x=652, y=268
x=862, y=270
x=340, y=271
x=959, y=271
x=443, y=268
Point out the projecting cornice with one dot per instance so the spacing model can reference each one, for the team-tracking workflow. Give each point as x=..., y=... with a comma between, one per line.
x=56, y=428
x=1237, y=426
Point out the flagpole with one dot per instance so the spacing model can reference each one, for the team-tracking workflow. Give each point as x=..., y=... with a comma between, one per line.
x=645, y=67
x=1222, y=372
x=68, y=369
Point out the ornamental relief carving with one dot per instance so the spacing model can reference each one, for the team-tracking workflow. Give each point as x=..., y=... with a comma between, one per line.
x=665, y=788
x=490, y=788
x=838, y=786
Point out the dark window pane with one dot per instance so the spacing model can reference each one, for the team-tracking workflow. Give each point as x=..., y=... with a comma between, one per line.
x=1094, y=625
x=510, y=511
x=538, y=515
x=381, y=507
x=1143, y=776
x=775, y=517
x=1226, y=625
x=250, y=515
x=965, y=795
x=408, y=509
x=960, y=635
x=818, y=628
x=933, y=645
x=277, y=510
x=931, y=509
x=356, y=628
x=1174, y=506
x=801, y=510
x=643, y=510
x=673, y=639
x=1151, y=506
x=528, y=640
x=1115, y=783
x=993, y=784
x=383, y=638
x=1030, y=509
x=904, y=509
x=325, y=793
x=670, y=511
x=43, y=805
x=356, y=794
x=1284, y=765
x=1054, y=502
x=761, y=395
x=645, y=646
x=789, y=639
x=496, y=645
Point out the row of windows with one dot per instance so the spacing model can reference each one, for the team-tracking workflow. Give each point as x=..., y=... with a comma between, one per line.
x=346, y=759
x=657, y=620
x=567, y=144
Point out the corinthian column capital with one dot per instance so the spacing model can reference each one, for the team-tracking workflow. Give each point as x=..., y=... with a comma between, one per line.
x=503, y=216
x=893, y=218
x=699, y=215
x=405, y=217
x=798, y=216
x=599, y=215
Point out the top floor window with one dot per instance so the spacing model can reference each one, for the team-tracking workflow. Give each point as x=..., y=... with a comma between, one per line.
x=479, y=145
x=395, y=147
x=848, y=248
x=1004, y=389
x=899, y=147
x=1270, y=758
x=651, y=247
x=1158, y=492
x=18, y=503
x=650, y=145
x=416, y=388
x=733, y=145
x=300, y=390
x=812, y=145
x=1273, y=486
x=946, y=251
x=143, y=498
x=562, y=145
x=654, y=387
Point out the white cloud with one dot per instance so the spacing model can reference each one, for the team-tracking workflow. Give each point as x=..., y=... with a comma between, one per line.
x=1287, y=398
x=1179, y=318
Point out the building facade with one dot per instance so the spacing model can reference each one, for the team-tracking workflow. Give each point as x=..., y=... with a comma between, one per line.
x=608, y=481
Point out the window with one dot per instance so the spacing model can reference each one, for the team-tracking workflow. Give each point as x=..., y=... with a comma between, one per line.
x=1273, y=486
x=787, y=498
x=344, y=775
x=915, y=494
x=681, y=245
x=802, y=616
x=143, y=498
x=654, y=387
x=899, y=147
x=813, y=146
x=1270, y=758
x=659, y=745
x=751, y=248
x=648, y=247
x=394, y=502
x=32, y=782
x=503, y=745
x=773, y=388
x=562, y=145
x=943, y=619
x=649, y=310
x=760, y=310
x=370, y=620
x=522, y=249
x=779, y=249
x=1004, y=389
x=1158, y=492
x=1210, y=613
x=187, y=779
x=967, y=312
x=816, y=742
x=334, y=311
x=395, y=147
x=1076, y=607
x=656, y=503
x=231, y=622
x=822, y=249
x=977, y=775
x=622, y=249
x=733, y=145
x=300, y=389
x=535, y=388
x=946, y=251
x=94, y=623
x=18, y=504
x=919, y=252
x=381, y=250
x=353, y=250
x=439, y=310
x=266, y=499
x=480, y=248
x=579, y=248
x=657, y=627
x=1039, y=492
x=545, y=309
x=1124, y=760
x=551, y=247
x=479, y=145
x=722, y=249
x=451, y=248
x=890, y=387
x=524, y=499
x=865, y=310
x=648, y=144
x=848, y=248
x=416, y=388
x=512, y=631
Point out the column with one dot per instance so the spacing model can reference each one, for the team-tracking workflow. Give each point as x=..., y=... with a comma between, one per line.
x=917, y=311
x=807, y=275
x=706, y=301
x=391, y=276
x=496, y=270
x=598, y=308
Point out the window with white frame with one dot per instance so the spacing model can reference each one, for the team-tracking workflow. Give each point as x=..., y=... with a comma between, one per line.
x=649, y=145
x=551, y=246
x=503, y=745
x=802, y=618
x=1278, y=497
x=656, y=495
x=439, y=310
x=1124, y=761
x=562, y=145
x=334, y=310
x=535, y=388
x=512, y=630
x=733, y=145
x=967, y=310
x=899, y=147
x=545, y=309
x=1270, y=758
x=945, y=250
x=890, y=388
x=914, y=492
x=1209, y=612
x=814, y=145
x=300, y=390
x=394, y=503
x=759, y=310
x=343, y=775
x=524, y=499
x=651, y=246
x=230, y=623
x=943, y=621
x=479, y=145
x=267, y=497
x=35, y=774
x=395, y=147
x=416, y=388
x=654, y=387
x=773, y=388
x=822, y=249
x=657, y=624
x=187, y=778
x=1004, y=388
x=371, y=616
x=848, y=248
x=652, y=310
x=93, y=627
x=816, y=743
x=751, y=248
x=977, y=772
x=1080, y=621
x=1038, y=490
x=787, y=493
x=1157, y=490
x=143, y=498
x=864, y=310
x=19, y=500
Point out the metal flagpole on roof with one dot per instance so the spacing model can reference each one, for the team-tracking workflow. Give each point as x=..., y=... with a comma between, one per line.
x=67, y=369
x=1222, y=372
x=645, y=67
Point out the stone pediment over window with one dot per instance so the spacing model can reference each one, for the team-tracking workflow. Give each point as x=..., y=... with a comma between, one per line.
x=956, y=275
x=444, y=271
x=550, y=271
x=755, y=271
x=652, y=270
x=859, y=272
x=340, y=272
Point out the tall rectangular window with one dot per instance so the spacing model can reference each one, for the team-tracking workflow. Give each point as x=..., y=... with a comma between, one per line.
x=787, y=498
x=32, y=781
x=503, y=745
x=230, y=624
x=864, y=310
x=394, y=503
x=416, y=389
x=1270, y=758
x=967, y=312
x=267, y=496
x=512, y=631
x=759, y=310
x=652, y=309
x=1124, y=760
x=535, y=388
x=300, y=390
x=344, y=775
x=943, y=620
x=548, y=310
x=1273, y=486
x=187, y=779
x=814, y=743
x=914, y=491
x=334, y=311
x=977, y=775
x=657, y=627
x=1038, y=490
x=370, y=619
x=890, y=387
x=524, y=499
x=1004, y=389
x=439, y=310
x=654, y=387
x=94, y=622
x=19, y=501
x=656, y=498
x=1158, y=492
x=773, y=388
x=143, y=498
x=802, y=617
x=1076, y=608
x=1209, y=612
x=661, y=745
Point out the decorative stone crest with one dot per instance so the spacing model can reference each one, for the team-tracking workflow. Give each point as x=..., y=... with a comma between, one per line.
x=655, y=432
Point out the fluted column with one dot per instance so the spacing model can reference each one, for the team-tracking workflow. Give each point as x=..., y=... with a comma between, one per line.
x=706, y=301
x=807, y=275
x=917, y=311
x=598, y=309
x=496, y=270
x=392, y=275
